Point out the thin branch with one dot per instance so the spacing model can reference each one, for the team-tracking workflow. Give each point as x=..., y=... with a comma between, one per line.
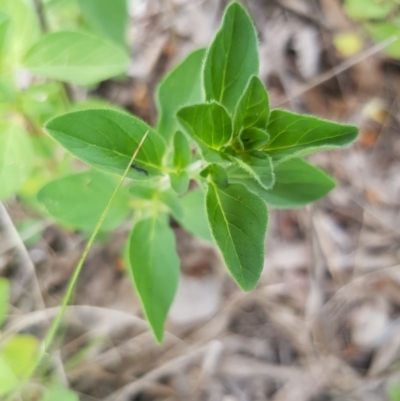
x=41, y=15
x=341, y=68
x=26, y=262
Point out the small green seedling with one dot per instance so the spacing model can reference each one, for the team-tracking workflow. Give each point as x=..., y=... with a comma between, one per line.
x=215, y=129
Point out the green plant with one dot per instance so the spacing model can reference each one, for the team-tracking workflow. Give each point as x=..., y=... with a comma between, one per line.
x=215, y=128
x=93, y=49
x=380, y=19
x=18, y=353
x=18, y=359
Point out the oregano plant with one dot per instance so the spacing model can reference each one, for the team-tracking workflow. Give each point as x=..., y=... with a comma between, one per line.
x=216, y=130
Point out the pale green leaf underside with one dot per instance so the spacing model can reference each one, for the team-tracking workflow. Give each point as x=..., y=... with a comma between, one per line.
x=16, y=158
x=108, y=17
x=181, y=87
x=297, y=135
x=76, y=57
x=155, y=269
x=297, y=183
x=253, y=108
x=107, y=139
x=207, y=123
x=78, y=200
x=231, y=59
x=238, y=219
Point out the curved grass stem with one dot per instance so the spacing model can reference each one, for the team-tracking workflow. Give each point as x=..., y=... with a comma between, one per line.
x=52, y=332
x=72, y=284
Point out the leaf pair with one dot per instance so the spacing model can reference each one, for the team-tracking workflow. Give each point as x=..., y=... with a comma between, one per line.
x=86, y=57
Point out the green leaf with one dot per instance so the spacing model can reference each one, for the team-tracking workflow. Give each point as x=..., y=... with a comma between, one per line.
x=297, y=183
x=84, y=60
x=194, y=215
x=253, y=138
x=252, y=110
x=4, y=299
x=24, y=29
x=217, y=175
x=180, y=181
x=8, y=380
x=294, y=135
x=208, y=124
x=16, y=158
x=107, y=139
x=231, y=59
x=108, y=17
x=17, y=361
x=380, y=32
x=182, y=151
x=59, y=393
x=155, y=269
x=171, y=200
x=259, y=166
x=238, y=220
x=369, y=9
x=78, y=200
x=181, y=87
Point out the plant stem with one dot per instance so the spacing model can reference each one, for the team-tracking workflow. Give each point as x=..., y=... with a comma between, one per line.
x=71, y=286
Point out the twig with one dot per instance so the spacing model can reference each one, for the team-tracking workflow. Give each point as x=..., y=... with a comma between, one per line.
x=29, y=233
x=15, y=239
x=171, y=366
x=341, y=68
x=41, y=16
x=34, y=318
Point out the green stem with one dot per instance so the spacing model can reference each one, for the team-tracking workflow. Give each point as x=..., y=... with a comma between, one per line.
x=71, y=286
x=48, y=341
